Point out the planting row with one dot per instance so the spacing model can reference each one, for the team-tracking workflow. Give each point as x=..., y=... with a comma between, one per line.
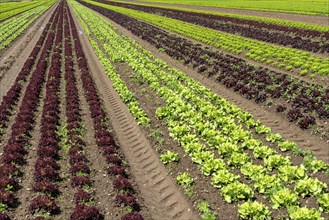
x=313, y=41
x=259, y=20
x=14, y=27
x=306, y=101
x=273, y=55
x=216, y=135
x=11, y=98
x=47, y=170
x=13, y=8
x=122, y=185
x=304, y=7
x=13, y=158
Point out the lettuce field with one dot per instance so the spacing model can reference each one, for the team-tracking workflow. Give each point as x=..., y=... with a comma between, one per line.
x=139, y=110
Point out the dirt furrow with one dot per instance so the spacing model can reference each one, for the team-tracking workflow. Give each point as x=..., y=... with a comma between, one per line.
x=161, y=195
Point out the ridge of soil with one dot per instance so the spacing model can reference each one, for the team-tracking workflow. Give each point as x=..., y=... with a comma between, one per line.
x=160, y=194
x=311, y=19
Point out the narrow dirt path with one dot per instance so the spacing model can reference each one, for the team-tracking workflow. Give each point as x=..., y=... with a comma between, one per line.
x=311, y=19
x=159, y=192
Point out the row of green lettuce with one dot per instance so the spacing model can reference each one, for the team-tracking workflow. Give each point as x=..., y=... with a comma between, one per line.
x=215, y=134
x=281, y=57
x=276, y=21
x=11, y=9
x=14, y=27
x=299, y=6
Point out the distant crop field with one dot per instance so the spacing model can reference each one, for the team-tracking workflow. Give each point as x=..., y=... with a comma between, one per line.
x=303, y=6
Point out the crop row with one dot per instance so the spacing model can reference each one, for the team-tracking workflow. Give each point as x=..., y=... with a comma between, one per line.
x=13, y=28
x=71, y=135
x=12, y=96
x=125, y=194
x=259, y=20
x=47, y=171
x=208, y=131
x=281, y=57
x=251, y=82
x=281, y=35
x=12, y=159
x=305, y=7
x=9, y=10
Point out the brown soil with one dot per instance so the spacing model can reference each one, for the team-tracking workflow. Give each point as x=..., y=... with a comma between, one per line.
x=311, y=19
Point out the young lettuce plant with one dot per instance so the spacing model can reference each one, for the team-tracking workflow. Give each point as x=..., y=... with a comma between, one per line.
x=323, y=201
x=267, y=184
x=222, y=178
x=302, y=213
x=212, y=166
x=284, y=198
x=289, y=174
x=275, y=161
x=251, y=171
x=235, y=191
x=310, y=187
x=261, y=152
x=254, y=210
x=186, y=181
x=169, y=157
x=205, y=210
